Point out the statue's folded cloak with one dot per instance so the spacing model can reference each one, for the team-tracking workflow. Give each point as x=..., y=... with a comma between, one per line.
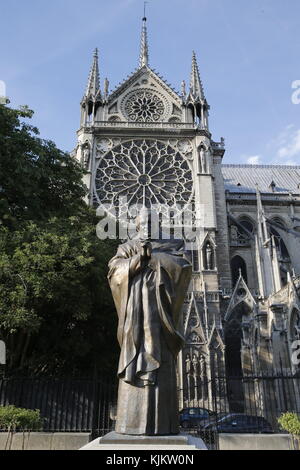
x=149, y=306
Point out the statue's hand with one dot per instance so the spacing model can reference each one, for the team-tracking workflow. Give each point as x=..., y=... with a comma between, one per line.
x=149, y=250
x=146, y=251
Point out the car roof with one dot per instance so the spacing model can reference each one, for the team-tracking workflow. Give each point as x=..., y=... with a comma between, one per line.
x=233, y=415
x=194, y=408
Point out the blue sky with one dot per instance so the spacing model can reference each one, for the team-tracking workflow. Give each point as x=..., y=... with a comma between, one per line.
x=248, y=55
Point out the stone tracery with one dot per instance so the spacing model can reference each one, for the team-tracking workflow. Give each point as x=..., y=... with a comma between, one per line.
x=145, y=106
x=147, y=172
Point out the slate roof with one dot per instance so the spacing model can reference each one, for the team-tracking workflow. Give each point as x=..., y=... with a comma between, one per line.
x=244, y=178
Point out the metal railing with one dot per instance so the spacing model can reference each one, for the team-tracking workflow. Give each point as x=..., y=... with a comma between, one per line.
x=143, y=125
x=86, y=405
x=238, y=404
x=66, y=405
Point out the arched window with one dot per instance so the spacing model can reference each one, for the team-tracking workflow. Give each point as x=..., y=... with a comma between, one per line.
x=90, y=109
x=241, y=231
x=114, y=119
x=238, y=265
x=282, y=251
x=196, y=265
x=247, y=224
x=174, y=119
x=244, y=230
x=191, y=113
x=280, y=245
x=194, y=257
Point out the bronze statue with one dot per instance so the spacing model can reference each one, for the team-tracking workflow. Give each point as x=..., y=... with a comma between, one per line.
x=149, y=279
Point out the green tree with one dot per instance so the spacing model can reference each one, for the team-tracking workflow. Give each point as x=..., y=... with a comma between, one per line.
x=37, y=180
x=56, y=310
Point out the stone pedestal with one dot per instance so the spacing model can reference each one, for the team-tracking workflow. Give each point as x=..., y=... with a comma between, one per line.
x=115, y=441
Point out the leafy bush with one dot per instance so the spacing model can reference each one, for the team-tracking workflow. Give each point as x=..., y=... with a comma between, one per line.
x=290, y=422
x=12, y=419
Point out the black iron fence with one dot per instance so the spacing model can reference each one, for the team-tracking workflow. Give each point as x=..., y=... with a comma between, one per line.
x=251, y=403
x=239, y=404
x=66, y=405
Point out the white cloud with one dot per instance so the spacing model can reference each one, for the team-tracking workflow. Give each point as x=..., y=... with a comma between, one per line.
x=254, y=160
x=282, y=149
x=291, y=146
x=281, y=138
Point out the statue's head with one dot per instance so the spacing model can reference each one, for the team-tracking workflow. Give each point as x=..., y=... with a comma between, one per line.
x=147, y=224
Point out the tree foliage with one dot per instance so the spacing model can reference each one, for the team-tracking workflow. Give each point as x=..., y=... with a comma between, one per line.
x=56, y=310
x=37, y=180
x=290, y=422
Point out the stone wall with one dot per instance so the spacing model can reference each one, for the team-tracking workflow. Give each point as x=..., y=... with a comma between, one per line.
x=255, y=442
x=44, y=441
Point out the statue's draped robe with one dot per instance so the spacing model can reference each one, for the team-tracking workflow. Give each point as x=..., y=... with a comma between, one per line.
x=149, y=306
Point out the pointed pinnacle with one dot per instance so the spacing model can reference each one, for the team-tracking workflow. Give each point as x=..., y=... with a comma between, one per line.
x=93, y=86
x=144, y=52
x=196, y=84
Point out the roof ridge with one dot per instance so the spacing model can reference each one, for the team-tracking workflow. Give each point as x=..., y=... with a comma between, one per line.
x=136, y=72
x=122, y=83
x=169, y=85
x=236, y=165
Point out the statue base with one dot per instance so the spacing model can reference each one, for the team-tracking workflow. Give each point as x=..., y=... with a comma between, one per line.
x=115, y=441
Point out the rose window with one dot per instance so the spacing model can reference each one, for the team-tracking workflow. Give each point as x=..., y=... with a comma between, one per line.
x=144, y=106
x=146, y=172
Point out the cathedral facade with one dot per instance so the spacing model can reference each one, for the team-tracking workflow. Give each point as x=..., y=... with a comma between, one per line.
x=148, y=143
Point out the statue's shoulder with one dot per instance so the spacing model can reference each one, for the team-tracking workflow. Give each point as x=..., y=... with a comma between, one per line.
x=128, y=242
x=127, y=245
x=179, y=243
x=170, y=244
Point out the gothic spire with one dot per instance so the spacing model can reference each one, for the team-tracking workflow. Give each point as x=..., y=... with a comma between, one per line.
x=144, y=52
x=276, y=267
x=261, y=218
x=236, y=298
x=196, y=87
x=93, y=86
x=266, y=254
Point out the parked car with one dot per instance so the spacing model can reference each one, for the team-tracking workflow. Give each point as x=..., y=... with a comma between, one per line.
x=237, y=423
x=192, y=417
